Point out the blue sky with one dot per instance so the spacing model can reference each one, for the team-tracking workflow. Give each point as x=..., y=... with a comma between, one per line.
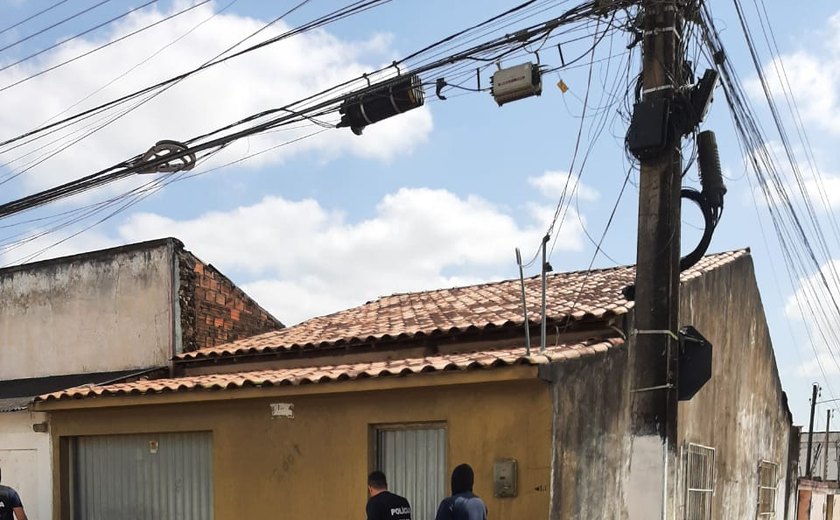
x=438, y=197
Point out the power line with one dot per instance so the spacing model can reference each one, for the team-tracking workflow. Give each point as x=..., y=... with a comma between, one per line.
x=559, y=209
x=32, y=16
x=128, y=200
x=306, y=109
x=795, y=235
x=352, y=9
x=97, y=49
x=53, y=26
x=152, y=93
x=144, y=61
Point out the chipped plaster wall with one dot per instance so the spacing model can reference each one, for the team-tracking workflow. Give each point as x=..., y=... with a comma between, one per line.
x=741, y=412
x=25, y=457
x=91, y=313
x=591, y=419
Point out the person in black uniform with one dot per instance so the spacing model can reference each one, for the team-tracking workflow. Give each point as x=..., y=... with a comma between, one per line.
x=10, y=505
x=382, y=504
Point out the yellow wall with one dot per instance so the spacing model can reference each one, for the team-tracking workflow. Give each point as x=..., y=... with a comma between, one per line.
x=315, y=465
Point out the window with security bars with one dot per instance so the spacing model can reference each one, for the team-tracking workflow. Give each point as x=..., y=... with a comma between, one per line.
x=699, y=481
x=767, y=489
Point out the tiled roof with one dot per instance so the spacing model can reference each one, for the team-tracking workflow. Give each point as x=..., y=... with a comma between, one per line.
x=577, y=296
x=15, y=404
x=346, y=372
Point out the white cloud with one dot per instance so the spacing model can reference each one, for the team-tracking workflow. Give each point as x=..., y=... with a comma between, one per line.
x=300, y=259
x=812, y=74
x=813, y=304
x=553, y=184
x=821, y=186
x=814, y=80
x=270, y=77
x=54, y=245
x=816, y=366
x=817, y=287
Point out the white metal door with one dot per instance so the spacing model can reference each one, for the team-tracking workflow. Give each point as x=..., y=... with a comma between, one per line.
x=414, y=462
x=142, y=477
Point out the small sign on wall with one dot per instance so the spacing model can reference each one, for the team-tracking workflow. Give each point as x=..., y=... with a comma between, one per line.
x=282, y=410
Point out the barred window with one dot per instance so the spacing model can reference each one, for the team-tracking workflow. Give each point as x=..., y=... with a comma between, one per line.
x=699, y=481
x=767, y=489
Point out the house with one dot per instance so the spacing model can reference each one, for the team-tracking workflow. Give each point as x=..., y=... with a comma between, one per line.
x=98, y=318
x=818, y=497
x=288, y=423
x=825, y=457
x=817, y=500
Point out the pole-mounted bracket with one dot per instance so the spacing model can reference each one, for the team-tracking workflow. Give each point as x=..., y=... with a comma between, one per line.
x=661, y=30
x=646, y=91
x=657, y=332
x=669, y=386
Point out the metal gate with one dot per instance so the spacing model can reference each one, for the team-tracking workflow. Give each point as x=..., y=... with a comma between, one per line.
x=142, y=477
x=414, y=462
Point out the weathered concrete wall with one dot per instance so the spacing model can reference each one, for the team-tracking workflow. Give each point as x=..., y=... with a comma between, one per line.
x=793, y=473
x=315, y=465
x=742, y=411
x=90, y=313
x=25, y=459
x=212, y=309
x=591, y=421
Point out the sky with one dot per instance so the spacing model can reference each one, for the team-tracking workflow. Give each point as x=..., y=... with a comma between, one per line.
x=437, y=197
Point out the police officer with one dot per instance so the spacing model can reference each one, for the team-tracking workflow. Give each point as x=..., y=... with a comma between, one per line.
x=10, y=504
x=382, y=504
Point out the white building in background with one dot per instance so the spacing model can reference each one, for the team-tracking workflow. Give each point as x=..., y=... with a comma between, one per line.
x=105, y=316
x=825, y=462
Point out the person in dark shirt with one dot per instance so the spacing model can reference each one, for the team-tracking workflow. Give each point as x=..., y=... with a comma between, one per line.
x=463, y=504
x=10, y=505
x=382, y=504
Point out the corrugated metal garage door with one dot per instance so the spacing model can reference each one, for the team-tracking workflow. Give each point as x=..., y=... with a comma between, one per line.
x=142, y=477
x=414, y=461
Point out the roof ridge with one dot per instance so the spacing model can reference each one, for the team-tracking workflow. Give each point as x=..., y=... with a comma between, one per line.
x=454, y=310
x=552, y=274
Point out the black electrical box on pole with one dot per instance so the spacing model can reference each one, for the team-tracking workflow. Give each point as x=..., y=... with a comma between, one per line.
x=655, y=140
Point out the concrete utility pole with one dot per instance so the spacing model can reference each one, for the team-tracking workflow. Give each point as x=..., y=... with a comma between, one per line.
x=654, y=353
x=811, y=431
x=825, y=456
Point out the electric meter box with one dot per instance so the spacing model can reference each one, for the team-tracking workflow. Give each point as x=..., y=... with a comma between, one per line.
x=504, y=478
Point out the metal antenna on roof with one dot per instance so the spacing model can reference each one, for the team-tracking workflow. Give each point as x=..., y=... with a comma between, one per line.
x=524, y=304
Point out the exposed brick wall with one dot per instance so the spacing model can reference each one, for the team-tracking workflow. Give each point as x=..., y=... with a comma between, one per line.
x=213, y=309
